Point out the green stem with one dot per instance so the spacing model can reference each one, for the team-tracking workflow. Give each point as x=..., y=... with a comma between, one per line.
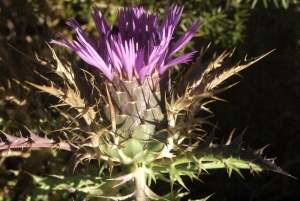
x=140, y=184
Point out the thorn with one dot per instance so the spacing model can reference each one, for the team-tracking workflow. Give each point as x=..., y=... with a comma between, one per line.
x=230, y=137
x=260, y=151
x=239, y=140
x=239, y=172
x=211, y=136
x=231, y=53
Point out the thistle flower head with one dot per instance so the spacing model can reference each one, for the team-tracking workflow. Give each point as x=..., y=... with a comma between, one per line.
x=141, y=47
x=147, y=125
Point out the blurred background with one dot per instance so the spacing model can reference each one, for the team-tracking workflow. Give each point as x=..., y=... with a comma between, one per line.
x=266, y=102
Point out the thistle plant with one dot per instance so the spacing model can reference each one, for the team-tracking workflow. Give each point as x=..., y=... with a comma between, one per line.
x=130, y=114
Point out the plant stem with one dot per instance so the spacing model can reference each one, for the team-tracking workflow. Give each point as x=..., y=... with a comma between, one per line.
x=140, y=184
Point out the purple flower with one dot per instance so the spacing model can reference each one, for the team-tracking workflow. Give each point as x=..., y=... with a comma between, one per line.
x=140, y=48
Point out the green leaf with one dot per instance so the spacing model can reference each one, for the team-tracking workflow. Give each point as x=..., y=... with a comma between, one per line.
x=132, y=148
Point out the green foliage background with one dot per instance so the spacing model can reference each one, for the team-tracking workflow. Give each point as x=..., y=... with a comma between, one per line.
x=267, y=100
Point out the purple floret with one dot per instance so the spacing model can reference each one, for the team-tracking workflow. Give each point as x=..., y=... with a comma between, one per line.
x=140, y=48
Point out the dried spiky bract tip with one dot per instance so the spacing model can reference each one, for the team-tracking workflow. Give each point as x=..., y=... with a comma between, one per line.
x=129, y=113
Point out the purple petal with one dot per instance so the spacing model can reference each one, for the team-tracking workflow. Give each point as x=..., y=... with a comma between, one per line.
x=184, y=39
x=87, y=53
x=179, y=60
x=172, y=16
x=139, y=62
x=75, y=25
x=141, y=46
x=100, y=22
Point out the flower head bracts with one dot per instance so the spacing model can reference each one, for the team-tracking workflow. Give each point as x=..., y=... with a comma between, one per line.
x=141, y=46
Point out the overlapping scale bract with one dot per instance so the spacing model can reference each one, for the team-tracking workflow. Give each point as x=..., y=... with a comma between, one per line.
x=138, y=113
